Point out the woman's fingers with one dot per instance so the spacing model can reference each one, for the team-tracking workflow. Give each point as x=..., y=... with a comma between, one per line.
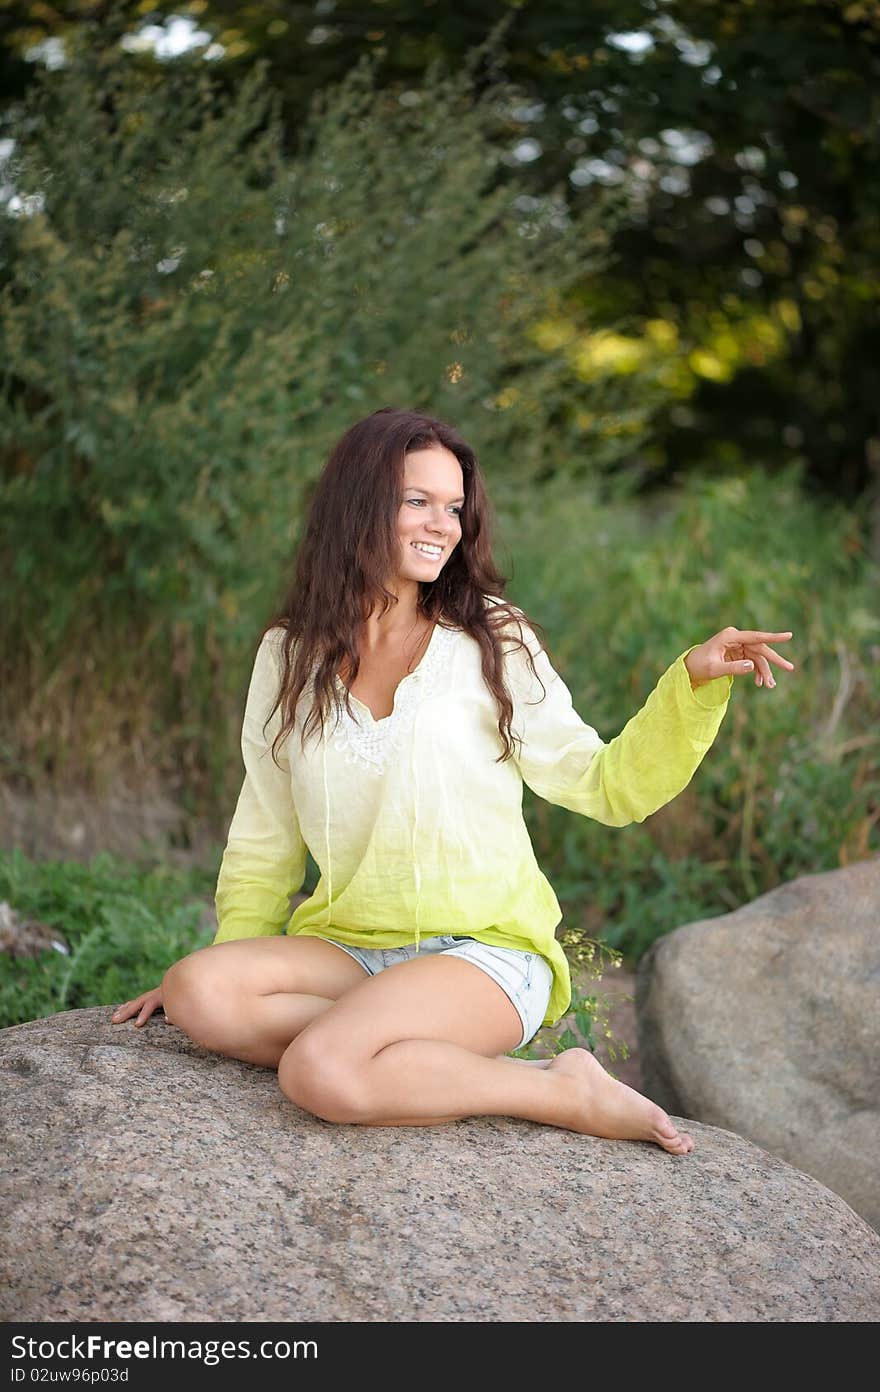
x=736, y=652
x=752, y=638
x=746, y=635
x=748, y=650
x=763, y=675
x=762, y=655
x=759, y=653
x=142, y=1006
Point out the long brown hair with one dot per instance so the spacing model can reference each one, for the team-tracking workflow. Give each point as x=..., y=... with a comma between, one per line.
x=351, y=546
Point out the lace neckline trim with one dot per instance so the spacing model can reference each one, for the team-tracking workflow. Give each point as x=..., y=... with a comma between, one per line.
x=370, y=742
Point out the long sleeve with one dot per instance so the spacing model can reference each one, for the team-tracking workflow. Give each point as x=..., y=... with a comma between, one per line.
x=264, y=862
x=653, y=758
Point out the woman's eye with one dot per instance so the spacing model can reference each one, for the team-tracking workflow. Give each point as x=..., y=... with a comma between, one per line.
x=456, y=510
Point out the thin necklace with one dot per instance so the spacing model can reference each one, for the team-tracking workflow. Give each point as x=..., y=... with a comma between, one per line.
x=421, y=649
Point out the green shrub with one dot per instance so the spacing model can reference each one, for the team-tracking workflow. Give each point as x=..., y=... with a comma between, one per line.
x=124, y=928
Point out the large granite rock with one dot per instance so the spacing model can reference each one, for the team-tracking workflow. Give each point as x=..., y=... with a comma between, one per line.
x=766, y=1022
x=147, y=1179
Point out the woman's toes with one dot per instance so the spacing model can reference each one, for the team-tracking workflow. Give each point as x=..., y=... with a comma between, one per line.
x=669, y=1136
x=614, y=1111
x=683, y=1145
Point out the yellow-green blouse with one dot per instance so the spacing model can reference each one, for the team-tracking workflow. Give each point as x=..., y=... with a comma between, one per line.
x=415, y=828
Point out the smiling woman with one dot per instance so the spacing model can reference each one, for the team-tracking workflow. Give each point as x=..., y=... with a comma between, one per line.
x=397, y=705
x=429, y=522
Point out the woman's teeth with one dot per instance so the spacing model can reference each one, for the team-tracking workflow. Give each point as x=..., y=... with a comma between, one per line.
x=432, y=551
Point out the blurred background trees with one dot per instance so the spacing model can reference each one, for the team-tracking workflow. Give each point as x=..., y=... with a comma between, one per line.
x=741, y=137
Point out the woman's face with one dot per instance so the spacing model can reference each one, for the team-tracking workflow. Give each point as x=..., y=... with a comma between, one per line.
x=430, y=512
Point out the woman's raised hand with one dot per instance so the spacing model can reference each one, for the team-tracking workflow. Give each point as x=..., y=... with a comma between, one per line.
x=145, y=1004
x=734, y=652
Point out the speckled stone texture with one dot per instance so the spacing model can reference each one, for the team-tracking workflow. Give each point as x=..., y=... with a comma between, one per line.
x=766, y=1022
x=148, y=1179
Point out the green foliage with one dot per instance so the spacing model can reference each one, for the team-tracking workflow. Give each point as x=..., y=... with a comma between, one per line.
x=124, y=928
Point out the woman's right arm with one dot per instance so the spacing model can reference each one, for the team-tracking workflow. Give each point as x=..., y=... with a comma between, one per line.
x=264, y=862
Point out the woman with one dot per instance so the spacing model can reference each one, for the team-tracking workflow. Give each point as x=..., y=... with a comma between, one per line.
x=396, y=706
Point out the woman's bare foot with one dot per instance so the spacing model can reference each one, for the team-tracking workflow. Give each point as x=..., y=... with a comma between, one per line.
x=614, y=1111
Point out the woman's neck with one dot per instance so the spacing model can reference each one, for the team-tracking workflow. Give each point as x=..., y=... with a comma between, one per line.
x=401, y=624
x=400, y=632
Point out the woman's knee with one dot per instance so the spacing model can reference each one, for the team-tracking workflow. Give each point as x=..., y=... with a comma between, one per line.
x=195, y=998
x=319, y=1081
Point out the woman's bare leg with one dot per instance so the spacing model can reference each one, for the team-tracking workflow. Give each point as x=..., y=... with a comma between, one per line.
x=249, y=999
x=419, y=1044
x=244, y=1001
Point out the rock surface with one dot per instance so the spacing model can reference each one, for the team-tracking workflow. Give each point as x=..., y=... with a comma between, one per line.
x=765, y=1021
x=148, y=1179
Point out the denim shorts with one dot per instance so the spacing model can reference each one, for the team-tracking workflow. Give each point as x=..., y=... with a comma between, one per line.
x=524, y=976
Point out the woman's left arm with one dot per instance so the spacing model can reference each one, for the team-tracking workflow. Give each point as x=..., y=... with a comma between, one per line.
x=654, y=757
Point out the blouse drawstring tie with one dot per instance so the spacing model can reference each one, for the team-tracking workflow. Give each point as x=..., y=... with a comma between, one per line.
x=414, y=773
x=327, y=832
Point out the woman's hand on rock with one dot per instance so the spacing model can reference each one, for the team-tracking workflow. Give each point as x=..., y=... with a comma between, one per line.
x=143, y=1006
x=734, y=652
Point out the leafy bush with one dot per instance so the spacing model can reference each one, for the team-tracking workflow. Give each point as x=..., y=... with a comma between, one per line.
x=124, y=928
